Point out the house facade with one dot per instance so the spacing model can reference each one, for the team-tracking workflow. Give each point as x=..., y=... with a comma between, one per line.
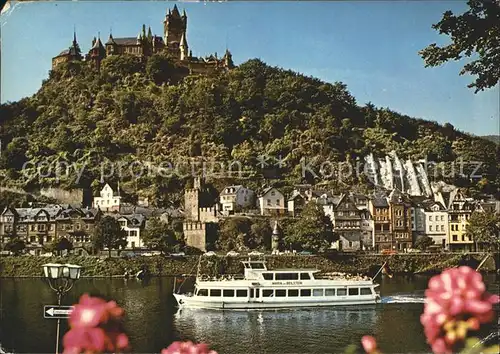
x=400, y=217
x=108, y=200
x=236, y=198
x=272, y=202
x=346, y=221
x=436, y=224
x=459, y=213
x=382, y=231
x=133, y=225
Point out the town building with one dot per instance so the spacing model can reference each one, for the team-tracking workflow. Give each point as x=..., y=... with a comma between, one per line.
x=236, y=198
x=133, y=225
x=108, y=199
x=346, y=222
x=296, y=203
x=459, y=213
x=436, y=223
x=382, y=231
x=272, y=202
x=400, y=217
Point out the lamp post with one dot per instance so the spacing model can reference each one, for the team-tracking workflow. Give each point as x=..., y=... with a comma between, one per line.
x=61, y=278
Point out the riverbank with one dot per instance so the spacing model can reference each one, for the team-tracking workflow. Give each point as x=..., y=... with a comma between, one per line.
x=24, y=266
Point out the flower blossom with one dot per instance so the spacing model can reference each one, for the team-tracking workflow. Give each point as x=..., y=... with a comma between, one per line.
x=456, y=303
x=370, y=345
x=95, y=327
x=187, y=348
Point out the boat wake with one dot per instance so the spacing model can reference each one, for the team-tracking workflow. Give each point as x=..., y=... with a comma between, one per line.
x=403, y=299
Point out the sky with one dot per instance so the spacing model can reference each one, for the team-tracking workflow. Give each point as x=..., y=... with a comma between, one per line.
x=371, y=46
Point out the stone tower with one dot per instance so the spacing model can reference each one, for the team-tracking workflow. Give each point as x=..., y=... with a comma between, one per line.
x=174, y=29
x=97, y=53
x=192, y=200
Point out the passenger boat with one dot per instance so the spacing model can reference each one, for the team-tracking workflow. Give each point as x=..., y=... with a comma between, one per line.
x=262, y=288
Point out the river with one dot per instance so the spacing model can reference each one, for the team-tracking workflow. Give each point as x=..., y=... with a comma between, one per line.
x=153, y=322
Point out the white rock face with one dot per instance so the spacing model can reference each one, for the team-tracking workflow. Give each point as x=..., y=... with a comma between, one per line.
x=390, y=173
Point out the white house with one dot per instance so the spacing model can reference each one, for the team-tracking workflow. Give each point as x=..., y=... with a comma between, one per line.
x=132, y=224
x=436, y=224
x=272, y=202
x=108, y=199
x=235, y=198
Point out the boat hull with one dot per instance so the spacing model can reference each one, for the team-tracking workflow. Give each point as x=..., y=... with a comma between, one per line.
x=195, y=302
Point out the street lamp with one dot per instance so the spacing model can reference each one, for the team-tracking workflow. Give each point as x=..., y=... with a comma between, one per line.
x=61, y=278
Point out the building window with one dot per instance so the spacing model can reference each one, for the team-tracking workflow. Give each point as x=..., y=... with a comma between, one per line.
x=442, y=227
x=430, y=227
x=269, y=202
x=455, y=237
x=430, y=217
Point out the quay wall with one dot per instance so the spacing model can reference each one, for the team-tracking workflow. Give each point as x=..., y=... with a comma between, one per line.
x=31, y=266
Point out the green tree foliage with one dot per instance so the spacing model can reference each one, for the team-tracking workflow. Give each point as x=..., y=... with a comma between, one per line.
x=109, y=234
x=62, y=244
x=423, y=242
x=241, y=233
x=311, y=232
x=484, y=228
x=15, y=245
x=474, y=34
x=159, y=236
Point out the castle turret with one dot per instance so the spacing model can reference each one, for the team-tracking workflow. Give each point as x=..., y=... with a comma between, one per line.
x=150, y=34
x=228, y=59
x=97, y=52
x=174, y=27
x=184, y=47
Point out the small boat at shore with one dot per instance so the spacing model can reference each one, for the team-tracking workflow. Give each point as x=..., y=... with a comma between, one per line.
x=262, y=288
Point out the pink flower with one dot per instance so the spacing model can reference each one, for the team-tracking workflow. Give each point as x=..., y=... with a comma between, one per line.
x=456, y=302
x=369, y=344
x=78, y=339
x=187, y=348
x=95, y=327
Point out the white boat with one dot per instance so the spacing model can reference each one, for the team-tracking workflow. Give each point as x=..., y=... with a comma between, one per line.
x=262, y=288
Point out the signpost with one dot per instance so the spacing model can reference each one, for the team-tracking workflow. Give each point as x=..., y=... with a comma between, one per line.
x=57, y=311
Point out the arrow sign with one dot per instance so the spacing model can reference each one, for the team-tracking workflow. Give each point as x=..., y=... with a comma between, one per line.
x=55, y=311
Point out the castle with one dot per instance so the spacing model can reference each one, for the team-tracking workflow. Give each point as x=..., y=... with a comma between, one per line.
x=174, y=44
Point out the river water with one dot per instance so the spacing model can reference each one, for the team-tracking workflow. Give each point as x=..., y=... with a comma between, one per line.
x=153, y=322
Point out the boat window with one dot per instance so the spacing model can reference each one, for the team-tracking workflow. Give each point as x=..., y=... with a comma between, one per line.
x=366, y=291
x=287, y=276
x=228, y=292
x=257, y=292
x=202, y=292
x=329, y=292
x=257, y=266
x=305, y=292
x=268, y=276
x=317, y=292
x=215, y=292
x=353, y=291
x=293, y=292
x=341, y=292
x=280, y=293
x=267, y=293
x=241, y=293
x=251, y=293
x=305, y=276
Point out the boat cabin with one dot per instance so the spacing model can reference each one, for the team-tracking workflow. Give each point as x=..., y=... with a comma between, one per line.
x=257, y=270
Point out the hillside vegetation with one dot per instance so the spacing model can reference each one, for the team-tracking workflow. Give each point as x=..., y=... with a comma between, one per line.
x=154, y=112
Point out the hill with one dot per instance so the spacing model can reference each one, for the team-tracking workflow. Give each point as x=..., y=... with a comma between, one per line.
x=134, y=114
x=493, y=138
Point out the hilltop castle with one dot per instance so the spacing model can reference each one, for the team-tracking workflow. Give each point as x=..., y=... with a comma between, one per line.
x=174, y=44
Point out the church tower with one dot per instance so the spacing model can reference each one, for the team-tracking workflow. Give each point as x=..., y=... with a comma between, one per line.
x=174, y=29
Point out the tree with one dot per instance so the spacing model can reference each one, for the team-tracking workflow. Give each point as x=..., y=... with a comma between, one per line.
x=159, y=236
x=109, y=234
x=484, y=228
x=15, y=245
x=60, y=245
x=312, y=231
x=423, y=242
x=473, y=33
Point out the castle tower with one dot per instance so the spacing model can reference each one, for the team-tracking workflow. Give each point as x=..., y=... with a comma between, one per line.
x=97, y=52
x=192, y=200
x=174, y=27
x=228, y=59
